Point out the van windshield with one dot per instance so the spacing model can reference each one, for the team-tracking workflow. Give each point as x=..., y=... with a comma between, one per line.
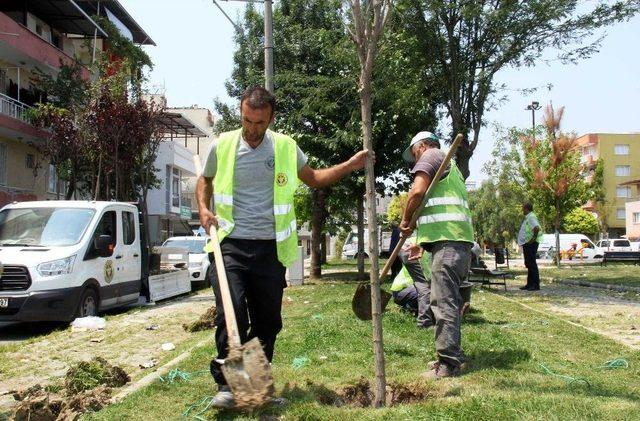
x=44, y=227
x=193, y=246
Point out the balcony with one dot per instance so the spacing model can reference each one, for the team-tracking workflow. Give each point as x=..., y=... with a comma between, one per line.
x=20, y=45
x=14, y=122
x=589, y=161
x=14, y=108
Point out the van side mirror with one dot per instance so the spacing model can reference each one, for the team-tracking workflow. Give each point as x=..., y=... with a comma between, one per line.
x=104, y=245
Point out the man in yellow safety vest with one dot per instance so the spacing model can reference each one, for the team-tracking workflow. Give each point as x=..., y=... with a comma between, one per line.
x=445, y=231
x=252, y=174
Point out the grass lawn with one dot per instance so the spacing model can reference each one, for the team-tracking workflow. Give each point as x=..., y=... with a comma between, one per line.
x=504, y=342
x=620, y=274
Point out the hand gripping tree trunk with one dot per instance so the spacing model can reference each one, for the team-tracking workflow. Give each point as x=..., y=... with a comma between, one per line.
x=366, y=30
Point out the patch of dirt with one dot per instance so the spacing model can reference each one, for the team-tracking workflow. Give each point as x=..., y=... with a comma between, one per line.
x=361, y=394
x=39, y=405
x=205, y=322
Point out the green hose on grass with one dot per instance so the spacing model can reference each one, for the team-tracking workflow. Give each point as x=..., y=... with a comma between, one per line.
x=616, y=363
x=563, y=377
x=177, y=374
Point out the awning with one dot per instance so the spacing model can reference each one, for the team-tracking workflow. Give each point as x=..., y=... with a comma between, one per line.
x=64, y=15
x=120, y=13
x=178, y=125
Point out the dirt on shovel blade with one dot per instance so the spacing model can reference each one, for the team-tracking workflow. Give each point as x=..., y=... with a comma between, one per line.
x=248, y=373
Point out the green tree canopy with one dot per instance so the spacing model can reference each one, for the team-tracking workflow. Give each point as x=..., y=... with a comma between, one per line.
x=580, y=221
x=467, y=42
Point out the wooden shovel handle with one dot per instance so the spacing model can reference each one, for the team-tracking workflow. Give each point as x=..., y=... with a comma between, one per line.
x=223, y=286
x=416, y=214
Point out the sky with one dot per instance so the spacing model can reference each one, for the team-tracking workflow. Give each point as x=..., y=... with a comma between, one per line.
x=194, y=58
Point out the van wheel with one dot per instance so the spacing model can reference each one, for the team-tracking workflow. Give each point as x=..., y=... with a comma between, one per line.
x=88, y=305
x=366, y=256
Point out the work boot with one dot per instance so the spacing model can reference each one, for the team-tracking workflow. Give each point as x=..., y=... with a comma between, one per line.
x=224, y=398
x=441, y=370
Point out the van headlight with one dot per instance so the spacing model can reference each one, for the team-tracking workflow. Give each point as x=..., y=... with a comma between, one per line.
x=57, y=267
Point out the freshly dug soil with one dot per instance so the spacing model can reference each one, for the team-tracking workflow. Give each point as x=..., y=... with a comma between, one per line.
x=96, y=372
x=42, y=406
x=361, y=395
x=205, y=322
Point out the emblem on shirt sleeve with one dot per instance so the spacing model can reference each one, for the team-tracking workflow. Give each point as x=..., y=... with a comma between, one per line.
x=281, y=179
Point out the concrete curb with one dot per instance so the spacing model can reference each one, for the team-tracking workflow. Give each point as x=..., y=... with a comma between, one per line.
x=619, y=288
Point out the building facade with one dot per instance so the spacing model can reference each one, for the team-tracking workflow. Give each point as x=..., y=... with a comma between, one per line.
x=620, y=154
x=38, y=37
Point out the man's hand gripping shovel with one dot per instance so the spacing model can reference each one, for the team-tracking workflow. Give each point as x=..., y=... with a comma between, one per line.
x=361, y=302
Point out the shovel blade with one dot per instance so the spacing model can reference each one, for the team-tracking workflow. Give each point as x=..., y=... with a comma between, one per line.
x=361, y=302
x=248, y=374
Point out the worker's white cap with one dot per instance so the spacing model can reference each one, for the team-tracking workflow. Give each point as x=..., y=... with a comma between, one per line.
x=407, y=155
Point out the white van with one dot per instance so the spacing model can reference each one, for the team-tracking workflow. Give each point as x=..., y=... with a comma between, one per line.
x=67, y=259
x=567, y=241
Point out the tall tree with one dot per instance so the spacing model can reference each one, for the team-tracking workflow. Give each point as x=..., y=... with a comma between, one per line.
x=468, y=42
x=553, y=172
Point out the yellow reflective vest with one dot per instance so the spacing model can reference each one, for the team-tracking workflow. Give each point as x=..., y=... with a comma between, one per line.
x=446, y=215
x=285, y=182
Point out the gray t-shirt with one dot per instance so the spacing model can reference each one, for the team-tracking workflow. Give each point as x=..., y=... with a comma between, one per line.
x=252, y=187
x=429, y=163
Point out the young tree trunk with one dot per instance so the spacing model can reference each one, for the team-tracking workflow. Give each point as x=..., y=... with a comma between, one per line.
x=557, y=228
x=317, y=224
x=376, y=305
x=96, y=193
x=360, y=253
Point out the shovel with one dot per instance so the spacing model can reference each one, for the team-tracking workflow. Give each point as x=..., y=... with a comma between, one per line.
x=361, y=302
x=246, y=368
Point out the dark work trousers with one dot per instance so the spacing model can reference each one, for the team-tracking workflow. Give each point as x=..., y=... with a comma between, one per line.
x=530, y=250
x=425, y=316
x=256, y=282
x=449, y=268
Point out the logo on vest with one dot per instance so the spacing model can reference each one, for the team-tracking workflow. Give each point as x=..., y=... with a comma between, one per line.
x=281, y=179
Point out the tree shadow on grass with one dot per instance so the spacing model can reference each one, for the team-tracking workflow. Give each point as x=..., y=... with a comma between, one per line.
x=497, y=359
x=346, y=276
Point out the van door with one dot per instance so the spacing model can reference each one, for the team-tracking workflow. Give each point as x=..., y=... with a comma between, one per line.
x=129, y=258
x=104, y=269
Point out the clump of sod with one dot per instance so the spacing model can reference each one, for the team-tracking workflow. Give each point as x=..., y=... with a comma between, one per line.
x=87, y=375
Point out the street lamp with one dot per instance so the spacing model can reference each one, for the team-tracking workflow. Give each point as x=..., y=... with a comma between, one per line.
x=533, y=107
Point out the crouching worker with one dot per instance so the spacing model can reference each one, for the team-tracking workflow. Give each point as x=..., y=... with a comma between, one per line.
x=411, y=287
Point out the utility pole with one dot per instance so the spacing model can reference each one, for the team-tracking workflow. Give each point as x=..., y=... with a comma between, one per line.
x=268, y=45
x=268, y=38
x=533, y=107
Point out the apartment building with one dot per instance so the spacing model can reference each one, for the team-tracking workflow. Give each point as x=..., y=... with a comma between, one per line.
x=38, y=37
x=621, y=157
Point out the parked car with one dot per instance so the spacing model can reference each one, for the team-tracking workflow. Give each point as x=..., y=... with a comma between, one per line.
x=614, y=244
x=581, y=244
x=350, y=247
x=67, y=259
x=198, y=259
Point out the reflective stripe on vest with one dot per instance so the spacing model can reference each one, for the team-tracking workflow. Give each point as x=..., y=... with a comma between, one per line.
x=284, y=186
x=446, y=215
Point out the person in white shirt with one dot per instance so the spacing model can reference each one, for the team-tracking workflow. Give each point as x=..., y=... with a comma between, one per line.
x=529, y=238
